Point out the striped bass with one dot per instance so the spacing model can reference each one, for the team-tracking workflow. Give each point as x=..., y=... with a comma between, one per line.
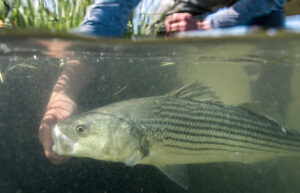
x=186, y=126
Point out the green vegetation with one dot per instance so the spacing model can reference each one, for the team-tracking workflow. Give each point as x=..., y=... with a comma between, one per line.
x=61, y=15
x=28, y=14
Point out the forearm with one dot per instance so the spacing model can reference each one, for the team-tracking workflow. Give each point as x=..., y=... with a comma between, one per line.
x=74, y=77
x=107, y=18
x=242, y=12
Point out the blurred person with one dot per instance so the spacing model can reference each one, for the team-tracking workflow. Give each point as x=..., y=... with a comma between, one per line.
x=109, y=18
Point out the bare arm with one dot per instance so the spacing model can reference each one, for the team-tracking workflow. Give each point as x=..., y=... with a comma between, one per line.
x=62, y=104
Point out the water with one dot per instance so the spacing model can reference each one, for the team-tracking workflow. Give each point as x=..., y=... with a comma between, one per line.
x=260, y=69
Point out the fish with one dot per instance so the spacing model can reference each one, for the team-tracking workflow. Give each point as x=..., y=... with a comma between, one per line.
x=189, y=125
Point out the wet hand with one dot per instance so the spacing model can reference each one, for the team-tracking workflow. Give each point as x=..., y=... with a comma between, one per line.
x=59, y=108
x=180, y=22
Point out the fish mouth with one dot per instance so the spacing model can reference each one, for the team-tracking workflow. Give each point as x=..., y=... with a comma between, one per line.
x=63, y=145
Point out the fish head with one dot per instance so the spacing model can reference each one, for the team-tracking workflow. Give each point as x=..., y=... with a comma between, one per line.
x=94, y=135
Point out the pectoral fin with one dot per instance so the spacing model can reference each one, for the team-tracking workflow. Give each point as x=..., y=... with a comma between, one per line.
x=133, y=158
x=177, y=173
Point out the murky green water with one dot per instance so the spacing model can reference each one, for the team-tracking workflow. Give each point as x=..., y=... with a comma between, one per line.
x=259, y=69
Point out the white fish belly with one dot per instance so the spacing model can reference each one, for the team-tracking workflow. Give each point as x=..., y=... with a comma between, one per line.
x=159, y=156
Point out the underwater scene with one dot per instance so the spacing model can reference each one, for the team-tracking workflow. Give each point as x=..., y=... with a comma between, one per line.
x=232, y=85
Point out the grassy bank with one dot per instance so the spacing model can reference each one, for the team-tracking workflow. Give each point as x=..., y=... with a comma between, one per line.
x=53, y=15
x=62, y=15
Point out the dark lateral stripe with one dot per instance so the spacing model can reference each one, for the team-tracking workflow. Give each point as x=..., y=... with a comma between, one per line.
x=289, y=148
x=264, y=126
x=220, y=113
x=230, y=131
x=209, y=105
x=240, y=116
x=238, y=126
x=215, y=143
x=201, y=149
x=216, y=128
x=204, y=118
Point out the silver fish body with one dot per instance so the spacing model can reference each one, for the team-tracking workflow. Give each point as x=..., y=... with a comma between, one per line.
x=184, y=127
x=212, y=132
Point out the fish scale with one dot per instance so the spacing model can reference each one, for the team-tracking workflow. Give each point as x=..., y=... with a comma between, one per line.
x=186, y=126
x=187, y=129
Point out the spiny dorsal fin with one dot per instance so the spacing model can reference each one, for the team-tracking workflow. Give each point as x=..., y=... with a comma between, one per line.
x=256, y=108
x=195, y=91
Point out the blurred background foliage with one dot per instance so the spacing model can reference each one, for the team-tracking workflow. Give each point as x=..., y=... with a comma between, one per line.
x=54, y=15
x=61, y=15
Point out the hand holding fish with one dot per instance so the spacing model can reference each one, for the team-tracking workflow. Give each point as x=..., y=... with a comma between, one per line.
x=61, y=104
x=189, y=125
x=59, y=108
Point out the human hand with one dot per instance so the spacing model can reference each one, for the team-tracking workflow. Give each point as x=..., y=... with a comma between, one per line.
x=179, y=22
x=59, y=108
x=61, y=105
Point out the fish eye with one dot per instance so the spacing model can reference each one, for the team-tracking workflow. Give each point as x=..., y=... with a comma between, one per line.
x=80, y=129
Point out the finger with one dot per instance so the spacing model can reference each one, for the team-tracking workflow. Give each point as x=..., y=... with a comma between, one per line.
x=61, y=109
x=180, y=27
x=56, y=159
x=176, y=18
x=45, y=128
x=168, y=23
x=47, y=142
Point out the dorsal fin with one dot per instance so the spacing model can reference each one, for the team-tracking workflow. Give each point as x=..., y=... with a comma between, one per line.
x=195, y=91
x=256, y=108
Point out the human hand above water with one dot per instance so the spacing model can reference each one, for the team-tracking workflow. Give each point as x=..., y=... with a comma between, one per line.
x=180, y=22
x=59, y=108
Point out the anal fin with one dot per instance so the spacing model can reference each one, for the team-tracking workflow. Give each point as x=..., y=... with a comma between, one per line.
x=177, y=173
